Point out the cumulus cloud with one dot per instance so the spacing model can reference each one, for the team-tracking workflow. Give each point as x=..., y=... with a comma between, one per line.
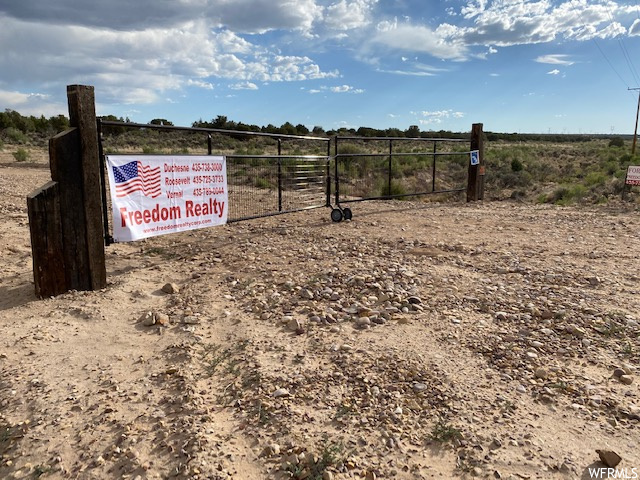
x=427, y=117
x=243, y=86
x=148, y=50
x=345, y=15
x=418, y=38
x=337, y=89
x=31, y=103
x=553, y=72
x=346, y=89
x=517, y=23
x=138, y=66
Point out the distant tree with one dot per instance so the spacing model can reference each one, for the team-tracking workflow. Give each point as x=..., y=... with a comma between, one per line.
x=394, y=132
x=367, y=132
x=412, y=132
x=59, y=123
x=161, y=121
x=113, y=130
x=317, y=130
x=287, y=128
x=220, y=122
x=302, y=130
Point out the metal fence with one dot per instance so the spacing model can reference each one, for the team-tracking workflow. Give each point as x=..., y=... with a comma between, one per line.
x=299, y=173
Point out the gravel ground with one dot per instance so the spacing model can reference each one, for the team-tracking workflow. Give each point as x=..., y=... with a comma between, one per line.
x=420, y=340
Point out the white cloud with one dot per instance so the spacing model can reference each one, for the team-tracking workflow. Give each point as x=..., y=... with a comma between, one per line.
x=421, y=39
x=507, y=23
x=634, y=30
x=559, y=59
x=346, y=89
x=337, y=89
x=140, y=66
x=427, y=117
x=553, y=72
x=31, y=103
x=200, y=84
x=344, y=15
x=244, y=86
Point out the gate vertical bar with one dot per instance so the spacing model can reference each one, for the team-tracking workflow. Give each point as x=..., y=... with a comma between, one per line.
x=390, y=162
x=433, y=167
x=279, y=175
x=209, y=145
x=328, y=182
x=336, y=180
x=108, y=239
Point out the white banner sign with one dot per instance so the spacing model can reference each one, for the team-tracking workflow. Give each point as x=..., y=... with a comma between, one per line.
x=155, y=195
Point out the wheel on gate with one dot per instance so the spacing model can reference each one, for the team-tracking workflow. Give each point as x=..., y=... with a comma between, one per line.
x=336, y=215
x=347, y=214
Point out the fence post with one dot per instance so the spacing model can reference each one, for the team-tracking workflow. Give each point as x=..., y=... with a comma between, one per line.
x=475, y=185
x=68, y=211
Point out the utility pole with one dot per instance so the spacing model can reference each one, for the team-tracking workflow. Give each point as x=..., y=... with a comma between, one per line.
x=635, y=132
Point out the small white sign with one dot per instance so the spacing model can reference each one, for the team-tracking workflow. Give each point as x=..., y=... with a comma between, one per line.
x=633, y=175
x=154, y=195
x=475, y=157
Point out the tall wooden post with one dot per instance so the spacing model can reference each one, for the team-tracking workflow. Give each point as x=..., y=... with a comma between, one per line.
x=65, y=216
x=475, y=185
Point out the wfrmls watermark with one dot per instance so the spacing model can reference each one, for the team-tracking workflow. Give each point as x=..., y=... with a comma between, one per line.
x=621, y=473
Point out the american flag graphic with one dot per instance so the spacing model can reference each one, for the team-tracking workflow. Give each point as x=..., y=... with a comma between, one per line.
x=136, y=177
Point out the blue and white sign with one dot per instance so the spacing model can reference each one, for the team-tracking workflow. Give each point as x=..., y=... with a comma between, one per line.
x=475, y=157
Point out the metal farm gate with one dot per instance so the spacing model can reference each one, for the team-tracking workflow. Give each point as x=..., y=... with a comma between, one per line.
x=290, y=179
x=267, y=174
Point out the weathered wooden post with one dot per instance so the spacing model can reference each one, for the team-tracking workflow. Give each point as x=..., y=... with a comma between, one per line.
x=475, y=185
x=65, y=215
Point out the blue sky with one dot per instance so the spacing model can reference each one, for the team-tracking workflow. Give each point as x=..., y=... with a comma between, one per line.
x=516, y=66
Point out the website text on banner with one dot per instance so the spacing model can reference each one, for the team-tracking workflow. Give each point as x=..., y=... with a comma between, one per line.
x=155, y=195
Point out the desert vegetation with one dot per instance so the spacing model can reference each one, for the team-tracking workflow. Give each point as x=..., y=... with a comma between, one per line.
x=554, y=169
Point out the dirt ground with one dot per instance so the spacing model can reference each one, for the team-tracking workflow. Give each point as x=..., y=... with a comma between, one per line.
x=419, y=340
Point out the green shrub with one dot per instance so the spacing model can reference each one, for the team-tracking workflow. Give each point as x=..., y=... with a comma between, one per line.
x=147, y=150
x=261, y=182
x=396, y=189
x=616, y=142
x=16, y=136
x=595, y=178
x=21, y=155
x=516, y=165
x=567, y=194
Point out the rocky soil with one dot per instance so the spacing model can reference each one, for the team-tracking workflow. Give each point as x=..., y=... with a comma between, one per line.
x=420, y=340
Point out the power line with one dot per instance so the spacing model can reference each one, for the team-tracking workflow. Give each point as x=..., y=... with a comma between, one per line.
x=625, y=52
x=610, y=64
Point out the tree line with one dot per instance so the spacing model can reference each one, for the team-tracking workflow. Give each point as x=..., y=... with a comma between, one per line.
x=15, y=124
